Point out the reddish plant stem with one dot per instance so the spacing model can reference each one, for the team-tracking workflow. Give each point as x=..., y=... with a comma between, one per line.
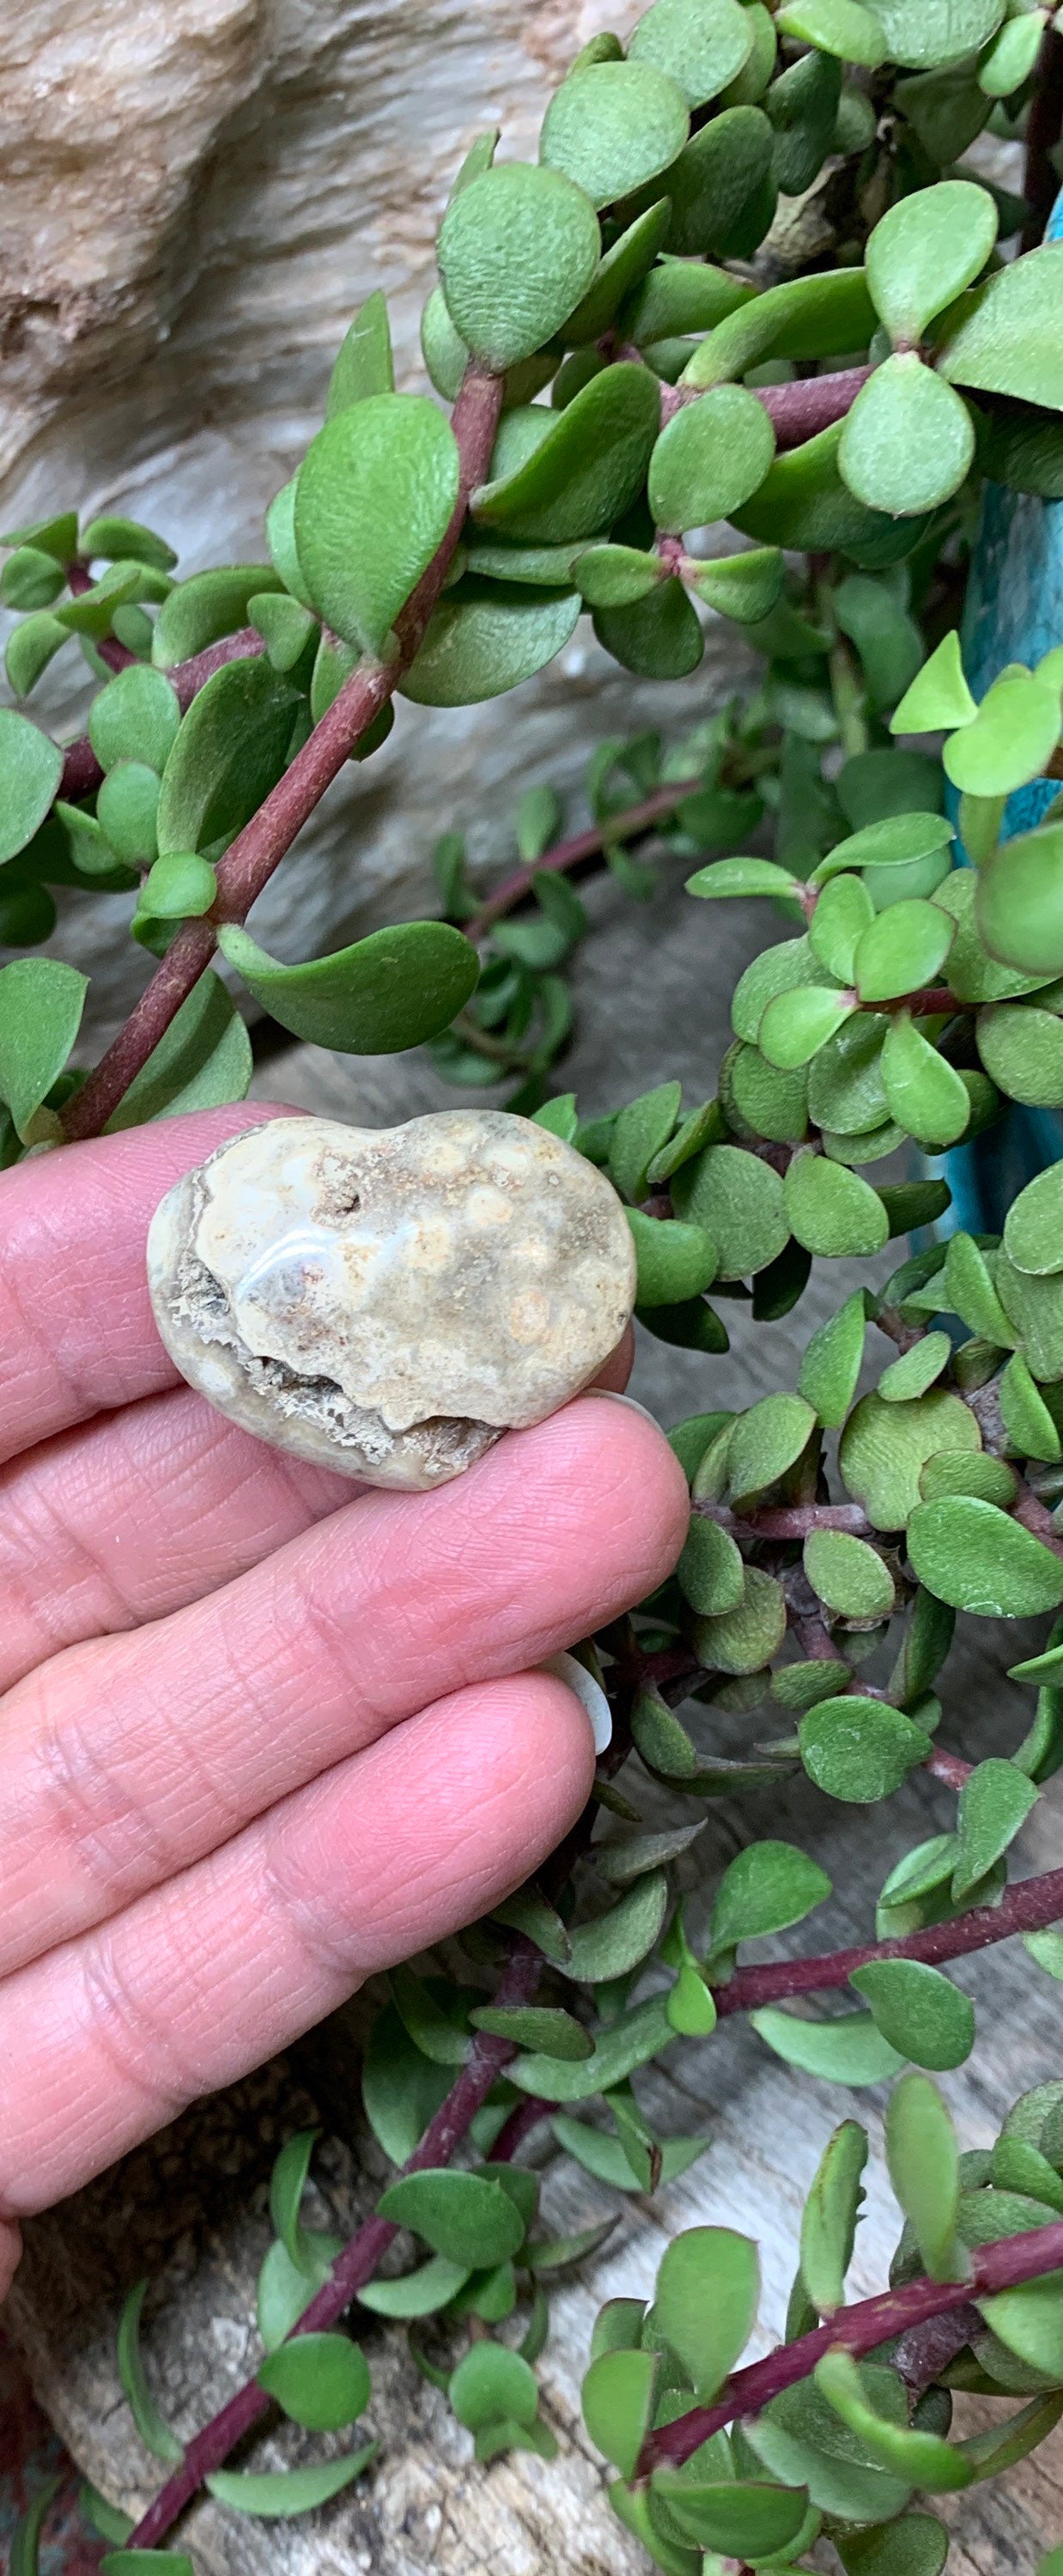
x=251, y=859
x=1029, y=1906
x=1036, y=1517
x=933, y=999
x=858, y=2330
x=82, y=774
x=524, y=2117
x=949, y=1767
x=581, y=846
x=796, y=411
x=789, y=1520
x=357, y=2263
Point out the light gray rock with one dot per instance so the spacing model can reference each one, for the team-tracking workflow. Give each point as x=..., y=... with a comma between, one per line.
x=197, y=194
x=387, y=1301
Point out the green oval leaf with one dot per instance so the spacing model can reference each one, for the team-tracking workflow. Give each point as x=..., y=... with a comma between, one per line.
x=765, y=1442
x=923, y=2016
x=847, y=2051
x=278, y=2494
x=831, y=1210
x=848, y=1575
x=492, y=2382
x=1020, y=902
x=41, y=1002
x=831, y=1364
x=675, y=1261
x=30, y=770
x=518, y=248
x=709, y=458
x=706, y=2301
x=588, y=468
x=1009, y=740
x=902, y=949
x=320, y=2380
x=135, y=717
x=973, y=1556
x=829, y=2218
x=374, y=499
x=701, y=43
x=1003, y=340
x=612, y=127
x=765, y=1889
x=744, y=1640
x=659, y=637
x=738, y=1200
x=229, y=752
x=1022, y=1051
x=1032, y=1227
x=925, y=251
x=465, y=2216
x=486, y=637
x=207, y=606
x=924, y=2170
x=859, y=1750
x=798, y=1023
x=618, y=2395
x=884, y=1448
x=392, y=990
x=154, y=2433
x=923, y=2458
x=926, y=33
x=710, y=1572
x=925, y=1093
x=908, y=441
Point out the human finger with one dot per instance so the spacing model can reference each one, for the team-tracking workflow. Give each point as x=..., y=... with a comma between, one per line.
x=139, y=1512
x=77, y=1334
x=108, y=2037
x=124, y=1760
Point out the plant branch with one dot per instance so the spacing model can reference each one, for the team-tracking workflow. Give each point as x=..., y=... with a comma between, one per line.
x=796, y=411
x=858, y=2330
x=1029, y=1906
x=249, y=862
x=357, y=2263
x=572, y=853
x=82, y=774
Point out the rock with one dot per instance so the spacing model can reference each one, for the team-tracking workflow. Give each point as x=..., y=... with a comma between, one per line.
x=189, y=222
x=387, y=1301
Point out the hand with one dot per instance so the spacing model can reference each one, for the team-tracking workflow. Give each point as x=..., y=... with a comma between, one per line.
x=260, y=1736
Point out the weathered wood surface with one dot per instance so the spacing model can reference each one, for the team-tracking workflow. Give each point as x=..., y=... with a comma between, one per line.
x=190, y=2209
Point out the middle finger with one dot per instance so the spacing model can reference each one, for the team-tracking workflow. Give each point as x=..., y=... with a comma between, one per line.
x=124, y=1760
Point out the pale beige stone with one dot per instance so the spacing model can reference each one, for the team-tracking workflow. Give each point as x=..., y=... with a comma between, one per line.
x=387, y=1301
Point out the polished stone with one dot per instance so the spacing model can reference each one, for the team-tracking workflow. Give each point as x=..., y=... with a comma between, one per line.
x=387, y=1301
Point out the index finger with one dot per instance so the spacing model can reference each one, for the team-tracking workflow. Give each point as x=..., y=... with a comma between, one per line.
x=77, y=1334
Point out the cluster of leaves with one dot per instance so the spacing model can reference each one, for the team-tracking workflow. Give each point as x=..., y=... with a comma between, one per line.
x=841, y=2450
x=751, y=278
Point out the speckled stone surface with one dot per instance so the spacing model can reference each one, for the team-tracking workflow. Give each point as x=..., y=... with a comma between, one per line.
x=388, y=1301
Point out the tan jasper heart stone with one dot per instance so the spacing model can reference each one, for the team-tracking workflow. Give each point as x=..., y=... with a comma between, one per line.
x=387, y=1301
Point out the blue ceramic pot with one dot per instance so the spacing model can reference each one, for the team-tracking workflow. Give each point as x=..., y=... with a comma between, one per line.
x=1013, y=613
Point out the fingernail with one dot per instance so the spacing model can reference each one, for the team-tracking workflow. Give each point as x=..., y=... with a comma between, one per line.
x=568, y=1668
x=609, y=1395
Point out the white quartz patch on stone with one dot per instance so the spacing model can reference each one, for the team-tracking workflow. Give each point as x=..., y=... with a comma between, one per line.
x=388, y=1301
